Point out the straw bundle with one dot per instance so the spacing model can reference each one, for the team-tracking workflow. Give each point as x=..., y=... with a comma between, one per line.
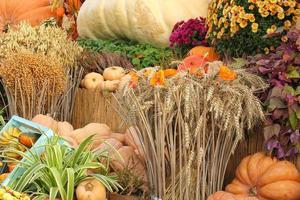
x=189, y=127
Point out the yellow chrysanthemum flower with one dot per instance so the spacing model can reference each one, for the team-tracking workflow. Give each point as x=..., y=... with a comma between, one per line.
x=254, y=27
x=287, y=24
x=274, y=27
x=243, y=24
x=295, y=18
x=286, y=3
x=270, y=31
x=279, y=9
x=280, y=16
x=260, y=4
x=250, y=17
x=265, y=14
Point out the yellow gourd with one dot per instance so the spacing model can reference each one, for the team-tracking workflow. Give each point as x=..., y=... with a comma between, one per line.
x=91, y=189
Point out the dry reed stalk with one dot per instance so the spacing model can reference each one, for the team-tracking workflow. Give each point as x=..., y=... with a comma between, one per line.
x=189, y=128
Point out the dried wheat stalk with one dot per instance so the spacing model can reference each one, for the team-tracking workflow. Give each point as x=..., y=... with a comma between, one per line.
x=189, y=128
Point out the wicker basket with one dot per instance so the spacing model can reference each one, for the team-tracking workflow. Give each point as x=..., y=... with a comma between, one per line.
x=93, y=106
x=113, y=196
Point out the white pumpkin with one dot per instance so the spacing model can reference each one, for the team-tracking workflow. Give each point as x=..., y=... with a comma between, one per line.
x=146, y=21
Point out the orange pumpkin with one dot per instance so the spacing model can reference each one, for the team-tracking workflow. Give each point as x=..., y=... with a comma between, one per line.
x=195, y=64
x=207, y=52
x=266, y=178
x=12, y=12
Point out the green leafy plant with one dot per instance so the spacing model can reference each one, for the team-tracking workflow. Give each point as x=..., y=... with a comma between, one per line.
x=140, y=55
x=58, y=171
x=2, y=121
x=131, y=183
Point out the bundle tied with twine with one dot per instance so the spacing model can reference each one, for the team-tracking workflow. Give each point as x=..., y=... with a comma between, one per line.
x=189, y=127
x=34, y=84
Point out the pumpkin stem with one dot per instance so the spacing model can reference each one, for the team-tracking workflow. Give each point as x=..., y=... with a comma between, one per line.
x=253, y=191
x=89, y=187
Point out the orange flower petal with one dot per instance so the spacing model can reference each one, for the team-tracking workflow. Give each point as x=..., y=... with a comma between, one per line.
x=158, y=78
x=170, y=72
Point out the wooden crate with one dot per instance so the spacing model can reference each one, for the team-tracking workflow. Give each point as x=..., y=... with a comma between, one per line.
x=94, y=106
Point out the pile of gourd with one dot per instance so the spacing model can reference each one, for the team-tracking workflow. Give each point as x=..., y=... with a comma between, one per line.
x=109, y=81
x=124, y=149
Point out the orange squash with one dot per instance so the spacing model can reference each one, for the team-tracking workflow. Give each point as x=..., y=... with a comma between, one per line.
x=11, y=167
x=91, y=189
x=101, y=132
x=27, y=140
x=266, y=178
x=12, y=12
x=207, y=52
x=46, y=121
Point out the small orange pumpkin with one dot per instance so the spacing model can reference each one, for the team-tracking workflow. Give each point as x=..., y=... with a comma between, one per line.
x=207, y=52
x=91, y=189
x=12, y=12
x=195, y=64
x=266, y=178
x=11, y=167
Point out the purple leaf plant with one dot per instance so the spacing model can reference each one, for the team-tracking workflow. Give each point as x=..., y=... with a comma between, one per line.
x=282, y=100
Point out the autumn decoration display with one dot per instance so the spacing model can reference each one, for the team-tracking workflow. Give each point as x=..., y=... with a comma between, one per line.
x=249, y=27
x=149, y=100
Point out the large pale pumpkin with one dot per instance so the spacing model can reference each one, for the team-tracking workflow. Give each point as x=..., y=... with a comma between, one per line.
x=146, y=21
x=12, y=12
x=266, y=178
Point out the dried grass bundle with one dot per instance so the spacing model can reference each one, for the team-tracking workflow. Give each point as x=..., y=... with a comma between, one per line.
x=189, y=128
x=48, y=40
x=97, y=62
x=30, y=70
x=35, y=83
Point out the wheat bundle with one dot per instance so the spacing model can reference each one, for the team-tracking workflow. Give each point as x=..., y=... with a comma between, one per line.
x=188, y=127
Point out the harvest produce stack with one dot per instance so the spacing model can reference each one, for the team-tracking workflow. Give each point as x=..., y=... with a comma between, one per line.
x=150, y=100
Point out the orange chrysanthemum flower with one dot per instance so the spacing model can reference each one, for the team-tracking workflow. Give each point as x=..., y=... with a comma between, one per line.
x=226, y=74
x=170, y=72
x=158, y=79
